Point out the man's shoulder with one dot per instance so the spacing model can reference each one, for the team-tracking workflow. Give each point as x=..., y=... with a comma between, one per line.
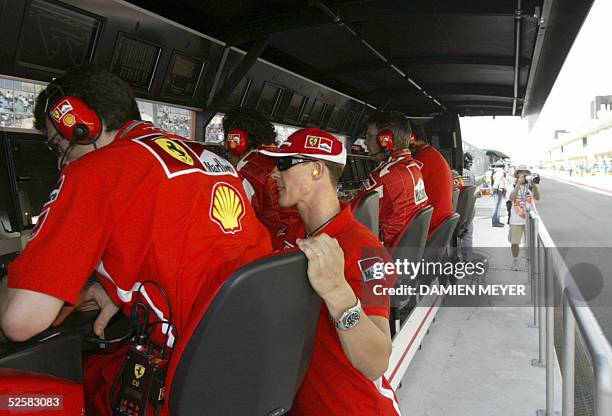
x=355, y=236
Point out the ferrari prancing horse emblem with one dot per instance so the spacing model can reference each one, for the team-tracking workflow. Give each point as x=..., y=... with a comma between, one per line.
x=139, y=371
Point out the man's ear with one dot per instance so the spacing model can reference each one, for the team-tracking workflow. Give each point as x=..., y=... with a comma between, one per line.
x=317, y=168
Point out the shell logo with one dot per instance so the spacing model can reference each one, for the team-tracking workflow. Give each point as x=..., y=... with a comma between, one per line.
x=69, y=120
x=227, y=208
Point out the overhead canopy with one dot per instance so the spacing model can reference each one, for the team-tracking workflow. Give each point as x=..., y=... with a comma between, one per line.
x=496, y=154
x=475, y=57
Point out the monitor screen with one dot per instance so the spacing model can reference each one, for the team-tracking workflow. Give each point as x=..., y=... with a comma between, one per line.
x=362, y=169
x=31, y=169
x=268, y=99
x=134, y=61
x=183, y=76
x=316, y=112
x=295, y=105
x=55, y=38
x=348, y=121
x=239, y=94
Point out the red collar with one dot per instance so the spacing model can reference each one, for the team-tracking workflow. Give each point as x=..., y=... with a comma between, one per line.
x=399, y=152
x=419, y=149
x=128, y=126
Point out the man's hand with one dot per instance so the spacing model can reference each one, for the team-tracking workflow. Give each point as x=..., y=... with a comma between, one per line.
x=326, y=272
x=92, y=297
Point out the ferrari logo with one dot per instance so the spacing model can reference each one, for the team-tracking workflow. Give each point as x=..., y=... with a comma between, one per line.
x=312, y=141
x=227, y=208
x=61, y=109
x=139, y=371
x=233, y=140
x=174, y=149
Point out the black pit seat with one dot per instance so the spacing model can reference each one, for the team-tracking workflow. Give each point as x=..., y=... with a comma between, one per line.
x=250, y=351
x=465, y=209
x=411, y=247
x=455, y=198
x=367, y=211
x=437, y=243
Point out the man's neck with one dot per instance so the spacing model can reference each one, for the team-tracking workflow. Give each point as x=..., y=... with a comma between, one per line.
x=318, y=210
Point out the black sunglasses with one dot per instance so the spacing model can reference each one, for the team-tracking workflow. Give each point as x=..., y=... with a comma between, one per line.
x=284, y=163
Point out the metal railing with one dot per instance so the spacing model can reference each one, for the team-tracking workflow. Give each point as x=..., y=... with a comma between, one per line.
x=547, y=267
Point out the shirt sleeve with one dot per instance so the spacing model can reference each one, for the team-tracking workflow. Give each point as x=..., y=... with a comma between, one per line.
x=366, y=276
x=69, y=238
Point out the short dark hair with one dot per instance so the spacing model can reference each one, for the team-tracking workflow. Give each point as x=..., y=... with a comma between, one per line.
x=260, y=129
x=106, y=93
x=335, y=171
x=419, y=132
x=377, y=118
x=400, y=126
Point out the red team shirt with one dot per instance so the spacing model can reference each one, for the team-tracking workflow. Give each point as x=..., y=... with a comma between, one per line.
x=332, y=386
x=402, y=194
x=256, y=168
x=438, y=184
x=150, y=205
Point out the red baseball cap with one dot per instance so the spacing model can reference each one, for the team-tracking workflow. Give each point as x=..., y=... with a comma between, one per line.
x=312, y=143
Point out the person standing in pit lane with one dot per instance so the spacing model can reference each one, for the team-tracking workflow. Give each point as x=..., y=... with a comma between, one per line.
x=353, y=342
x=499, y=193
x=247, y=133
x=162, y=220
x=398, y=179
x=523, y=198
x=436, y=175
x=466, y=240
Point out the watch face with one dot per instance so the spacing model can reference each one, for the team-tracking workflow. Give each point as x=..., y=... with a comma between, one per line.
x=352, y=319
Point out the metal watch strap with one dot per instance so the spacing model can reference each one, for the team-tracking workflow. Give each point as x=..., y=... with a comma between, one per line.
x=338, y=324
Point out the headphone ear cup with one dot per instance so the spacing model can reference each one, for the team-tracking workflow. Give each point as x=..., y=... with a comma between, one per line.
x=385, y=139
x=75, y=120
x=80, y=132
x=237, y=142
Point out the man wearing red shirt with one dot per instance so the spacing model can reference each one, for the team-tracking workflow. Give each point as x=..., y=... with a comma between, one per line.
x=163, y=222
x=436, y=174
x=247, y=133
x=398, y=180
x=353, y=342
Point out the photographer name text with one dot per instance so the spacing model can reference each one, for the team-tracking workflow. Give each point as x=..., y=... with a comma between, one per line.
x=452, y=290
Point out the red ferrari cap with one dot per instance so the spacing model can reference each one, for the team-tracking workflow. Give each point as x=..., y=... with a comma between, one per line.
x=312, y=143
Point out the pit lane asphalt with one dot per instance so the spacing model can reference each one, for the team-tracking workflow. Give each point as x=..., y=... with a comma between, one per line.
x=580, y=223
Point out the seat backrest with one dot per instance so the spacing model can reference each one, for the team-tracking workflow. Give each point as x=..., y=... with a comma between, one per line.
x=439, y=239
x=366, y=211
x=251, y=350
x=412, y=243
x=465, y=207
x=455, y=198
x=465, y=203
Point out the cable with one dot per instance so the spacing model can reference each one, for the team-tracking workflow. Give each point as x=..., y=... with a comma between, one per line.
x=169, y=322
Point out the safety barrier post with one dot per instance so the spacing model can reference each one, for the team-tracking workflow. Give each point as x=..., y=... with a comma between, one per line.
x=550, y=333
x=569, y=345
x=532, y=261
x=539, y=283
x=603, y=378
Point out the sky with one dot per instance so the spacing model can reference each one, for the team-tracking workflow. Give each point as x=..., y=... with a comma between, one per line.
x=587, y=72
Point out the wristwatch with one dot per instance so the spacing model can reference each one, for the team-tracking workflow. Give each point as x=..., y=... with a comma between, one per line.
x=349, y=317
